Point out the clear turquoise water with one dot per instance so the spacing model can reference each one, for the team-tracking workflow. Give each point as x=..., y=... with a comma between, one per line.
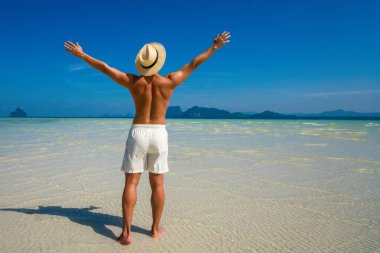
x=348, y=147
x=343, y=145
x=349, y=138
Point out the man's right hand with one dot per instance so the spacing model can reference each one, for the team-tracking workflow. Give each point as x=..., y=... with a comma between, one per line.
x=73, y=49
x=220, y=40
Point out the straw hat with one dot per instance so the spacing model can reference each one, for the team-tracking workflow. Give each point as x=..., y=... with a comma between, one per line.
x=150, y=58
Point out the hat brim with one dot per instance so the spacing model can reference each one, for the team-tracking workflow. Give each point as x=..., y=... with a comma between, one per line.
x=157, y=66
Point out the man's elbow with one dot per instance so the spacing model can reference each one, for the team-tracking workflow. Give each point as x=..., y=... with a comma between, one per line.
x=103, y=68
x=193, y=65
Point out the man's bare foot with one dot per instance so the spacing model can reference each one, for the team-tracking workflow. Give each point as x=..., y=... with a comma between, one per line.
x=157, y=232
x=124, y=239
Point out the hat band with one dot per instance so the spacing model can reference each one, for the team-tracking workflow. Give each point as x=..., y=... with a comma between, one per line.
x=153, y=62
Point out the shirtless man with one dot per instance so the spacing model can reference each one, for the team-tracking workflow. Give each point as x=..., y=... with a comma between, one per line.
x=147, y=143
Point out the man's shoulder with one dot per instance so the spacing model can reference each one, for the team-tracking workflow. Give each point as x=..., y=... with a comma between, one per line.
x=169, y=75
x=165, y=79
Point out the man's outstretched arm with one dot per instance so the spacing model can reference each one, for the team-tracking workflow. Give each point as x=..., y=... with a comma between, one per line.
x=119, y=77
x=181, y=75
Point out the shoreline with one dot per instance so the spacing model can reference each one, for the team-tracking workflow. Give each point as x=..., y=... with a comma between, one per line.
x=295, y=119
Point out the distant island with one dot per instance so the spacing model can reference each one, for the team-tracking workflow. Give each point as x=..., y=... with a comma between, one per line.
x=214, y=113
x=18, y=113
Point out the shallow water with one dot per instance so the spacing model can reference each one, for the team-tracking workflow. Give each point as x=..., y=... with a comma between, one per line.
x=233, y=186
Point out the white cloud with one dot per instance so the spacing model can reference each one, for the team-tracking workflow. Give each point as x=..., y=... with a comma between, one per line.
x=78, y=67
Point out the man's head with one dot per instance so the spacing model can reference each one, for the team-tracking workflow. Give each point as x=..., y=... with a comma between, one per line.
x=150, y=59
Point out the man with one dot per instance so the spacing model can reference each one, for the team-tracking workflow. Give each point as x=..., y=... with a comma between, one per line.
x=147, y=143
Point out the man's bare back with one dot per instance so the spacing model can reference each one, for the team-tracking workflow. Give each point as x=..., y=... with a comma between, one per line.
x=151, y=95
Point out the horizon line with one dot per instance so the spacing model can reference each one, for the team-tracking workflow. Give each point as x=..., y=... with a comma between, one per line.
x=247, y=112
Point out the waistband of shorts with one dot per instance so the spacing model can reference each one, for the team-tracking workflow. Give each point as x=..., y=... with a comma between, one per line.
x=149, y=125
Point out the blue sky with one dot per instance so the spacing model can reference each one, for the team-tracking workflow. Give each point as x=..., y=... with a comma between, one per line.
x=286, y=56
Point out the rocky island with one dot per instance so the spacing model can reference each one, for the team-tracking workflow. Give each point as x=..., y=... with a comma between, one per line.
x=18, y=113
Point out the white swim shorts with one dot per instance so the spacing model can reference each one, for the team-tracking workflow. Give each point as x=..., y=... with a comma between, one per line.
x=146, y=149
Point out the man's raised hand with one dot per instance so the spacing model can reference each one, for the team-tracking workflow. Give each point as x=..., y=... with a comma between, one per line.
x=220, y=40
x=73, y=49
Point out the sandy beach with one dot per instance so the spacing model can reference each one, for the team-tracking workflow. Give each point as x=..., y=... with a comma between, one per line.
x=233, y=186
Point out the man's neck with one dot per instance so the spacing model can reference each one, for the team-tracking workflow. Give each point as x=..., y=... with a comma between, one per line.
x=149, y=79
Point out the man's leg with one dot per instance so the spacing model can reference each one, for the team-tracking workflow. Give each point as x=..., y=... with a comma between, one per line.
x=128, y=203
x=157, y=201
